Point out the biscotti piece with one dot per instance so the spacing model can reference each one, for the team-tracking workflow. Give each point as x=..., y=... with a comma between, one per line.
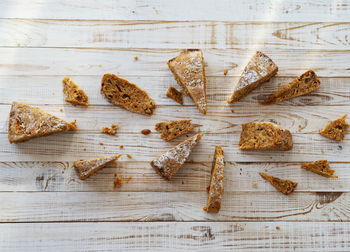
x=304, y=84
x=188, y=70
x=283, y=185
x=216, y=188
x=259, y=70
x=174, y=129
x=110, y=131
x=320, y=167
x=168, y=164
x=27, y=122
x=336, y=129
x=85, y=168
x=176, y=95
x=126, y=94
x=265, y=136
x=74, y=93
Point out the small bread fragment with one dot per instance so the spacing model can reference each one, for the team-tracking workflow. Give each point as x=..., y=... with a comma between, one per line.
x=168, y=164
x=265, y=136
x=302, y=85
x=188, y=70
x=176, y=95
x=126, y=94
x=173, y=129
x=336, y=129
x=27, y=122
x=320, y=167
x=216, y=188
x=283, y=185
x=259, y=70
x=110, y=131
x=86, y=168
x=75, y=95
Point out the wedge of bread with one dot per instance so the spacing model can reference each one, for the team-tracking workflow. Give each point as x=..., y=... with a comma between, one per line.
x=283, y=185
x=173, y=129
x=320, y=167
x=336, y=129
x=74, y=94
x=175, y=94
x=86, y=168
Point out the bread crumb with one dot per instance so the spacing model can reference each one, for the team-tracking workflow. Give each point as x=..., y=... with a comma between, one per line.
x=84, y=149
x=128, y=155
x=119, y=181
x=254, y=185
x=136, y=58
x=278, y=228
x=110, y=131
x=101, y=143
x=121, y=146
x=61, y=110
x=225, y=72
x=146, y=131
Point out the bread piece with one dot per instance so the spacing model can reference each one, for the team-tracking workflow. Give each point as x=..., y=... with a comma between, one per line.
x=336, y=129
x=283, y=185
x=75, y=95
x=173, y=129
x=110, y=131
x=320, y=167
x=216, y=188
x=176, y=95
x=168, y=164
x=265, y=136
x=259, y=70
x=126, y=94
x=27, y=122
x=86, y=168
x=304, y=84
x=188, y=70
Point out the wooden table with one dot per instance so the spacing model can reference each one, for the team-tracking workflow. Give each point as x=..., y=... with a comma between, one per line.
x=45, y=207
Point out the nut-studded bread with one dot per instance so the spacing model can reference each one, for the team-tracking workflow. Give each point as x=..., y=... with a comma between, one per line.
x=283, y=185
x=86, y=168
x=336, y=129
x=75, y=95
x=320, y=167
x=173, y=129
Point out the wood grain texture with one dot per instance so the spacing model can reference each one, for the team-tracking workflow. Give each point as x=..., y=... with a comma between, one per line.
x=194, y=177
x=165, y=34
x=226, y=10
x=189, y=236
x=152, y=62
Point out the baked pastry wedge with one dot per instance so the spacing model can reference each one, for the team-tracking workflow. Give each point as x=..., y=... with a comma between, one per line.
x=320, y=167
x=265, y=136
x=283, y=185
x=168, y=164
x=302, y=85
x=188, y=70
x=173, y=129
x=75, y=95
x=86, y=168
x=175, y=94
x=126, y=94
x=216, y=188
x=259, y=70
x=27, y=122
x=336, y=129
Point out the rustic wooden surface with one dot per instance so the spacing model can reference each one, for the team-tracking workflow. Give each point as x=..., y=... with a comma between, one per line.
x=45, y=207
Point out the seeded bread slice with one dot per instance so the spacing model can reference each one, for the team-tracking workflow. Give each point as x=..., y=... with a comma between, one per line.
x=86, y=168
x=75, y=95
x=173, y=129
x=283, y=185
x=320, y=167
x=176, y=95
x=336, y=129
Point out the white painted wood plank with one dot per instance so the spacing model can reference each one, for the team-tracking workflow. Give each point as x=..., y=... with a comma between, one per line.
x=194, y=177
x=152, y=62
x=171, y=206
x=164, y=34
x=252, y=10
x=189, y=236
x=48, y=90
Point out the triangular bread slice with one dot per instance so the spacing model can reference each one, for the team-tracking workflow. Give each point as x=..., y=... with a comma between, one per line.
x=336, y=129
x=173, y=129
x=265, y=136
x=188, y=70
x=175, y=94
x=168, y=164
x=283, y=185
x=27, y=122
x=126, y=94
x=75, y=95
x=302, y=85
x=216, y=188
x=320, y=167
x=86, y=168
x=259, y=70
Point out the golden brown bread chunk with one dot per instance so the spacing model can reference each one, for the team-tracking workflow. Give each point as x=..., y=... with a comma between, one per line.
x=304, y=84
x=283, y=185
x=336, y=129
x=173, y=129
x=86, y=168
x=188, y=70
x=216, y=188
x=259, y=70
x=265, y=136
x=27, y=122
x=110, y=131
x=176, y=95
x=74, y=93
x=126, y=94
x=320, y=167
x=168, y=164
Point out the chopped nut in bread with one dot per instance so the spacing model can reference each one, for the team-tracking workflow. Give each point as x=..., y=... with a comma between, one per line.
x=27, y=122
x=336, y=129
x=75, y=95
x=173, y=129
x=320, y=167
x=259, y=70
x=110, y=131
x=126, y=94
x=86, y=168
x=174, y=94
x=283, y=185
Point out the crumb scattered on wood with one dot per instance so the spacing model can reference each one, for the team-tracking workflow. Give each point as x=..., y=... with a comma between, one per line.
x=110, y=131
x=61, y=110
x=254, y=185
x=225, y=72
x=136, y=58
x=146, y=131
x=101, y=143
x=278, y=228
x=119, y=181
x=121, y=146
x=128, y=155
x=84, y=149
